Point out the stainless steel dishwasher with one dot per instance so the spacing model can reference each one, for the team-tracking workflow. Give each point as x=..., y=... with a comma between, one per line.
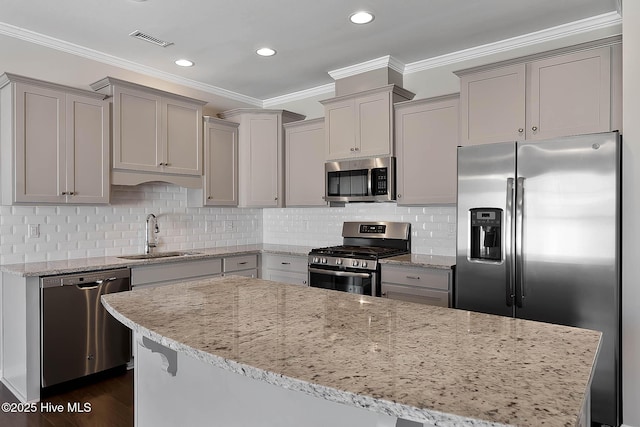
x=78, y=336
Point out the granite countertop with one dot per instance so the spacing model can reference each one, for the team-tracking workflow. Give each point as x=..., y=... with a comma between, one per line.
x=49, y=268
x=417, y=362
x=422, y=260
x=80, y=265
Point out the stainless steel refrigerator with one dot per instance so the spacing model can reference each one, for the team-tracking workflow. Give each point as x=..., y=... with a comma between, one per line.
x=539, y=238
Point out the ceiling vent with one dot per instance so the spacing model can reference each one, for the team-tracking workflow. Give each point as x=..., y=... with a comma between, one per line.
x=146, y=37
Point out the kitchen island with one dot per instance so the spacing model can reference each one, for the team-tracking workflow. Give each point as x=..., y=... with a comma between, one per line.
x=235, y=351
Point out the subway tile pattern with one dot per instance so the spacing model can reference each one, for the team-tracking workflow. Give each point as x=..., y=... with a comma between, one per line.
x=433, y=229
x=69, y=232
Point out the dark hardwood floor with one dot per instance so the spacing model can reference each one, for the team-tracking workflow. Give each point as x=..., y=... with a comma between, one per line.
x=109, y=395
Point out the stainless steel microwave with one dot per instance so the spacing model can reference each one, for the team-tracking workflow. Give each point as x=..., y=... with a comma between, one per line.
x=361, y=180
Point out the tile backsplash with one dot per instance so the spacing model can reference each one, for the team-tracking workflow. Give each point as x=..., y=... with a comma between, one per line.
x=67, y=232
x=433, y=229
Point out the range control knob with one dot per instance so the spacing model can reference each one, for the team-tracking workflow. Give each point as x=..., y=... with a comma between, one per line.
x=355, y=263
x=323, y=260
x=339, y=261
x=364, y=264
x=316, y=260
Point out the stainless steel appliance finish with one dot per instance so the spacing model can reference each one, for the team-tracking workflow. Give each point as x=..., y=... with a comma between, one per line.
x=353, y=267
x=78, y=336
x=539, y=239
x=361, y=180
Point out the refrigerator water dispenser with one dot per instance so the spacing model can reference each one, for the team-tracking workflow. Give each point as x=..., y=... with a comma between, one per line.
x=486, y=241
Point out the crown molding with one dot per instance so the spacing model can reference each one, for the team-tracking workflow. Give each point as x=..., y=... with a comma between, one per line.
x=573, y=28
x=329, y=88
x=373, y=64
x=63, y=46
x=603, y=21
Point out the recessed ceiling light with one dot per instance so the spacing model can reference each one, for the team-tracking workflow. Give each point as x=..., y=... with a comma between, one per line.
x=361, y=17
x=265, y=51
x=184, y=63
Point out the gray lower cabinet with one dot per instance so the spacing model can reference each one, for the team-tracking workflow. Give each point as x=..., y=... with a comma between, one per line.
x=423, y=285
x=243, y=265
x=167, y=273
x=285, y=268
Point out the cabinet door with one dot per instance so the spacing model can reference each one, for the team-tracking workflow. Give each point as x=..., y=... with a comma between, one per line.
x=136, y=123
x=40, y=159
x=88, y=166
x=181, y=139
x=260, y=173
x=426, y=144
x=221, y=165
x=569, y=94
x=373, y=119
x=305, y=165
x=340, y=127
x=492, y=106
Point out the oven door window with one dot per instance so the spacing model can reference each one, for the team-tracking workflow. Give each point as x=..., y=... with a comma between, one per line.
x=345, y=281
x=348, y=183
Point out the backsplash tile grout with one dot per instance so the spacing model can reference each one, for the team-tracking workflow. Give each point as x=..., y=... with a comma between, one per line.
x=68, y=232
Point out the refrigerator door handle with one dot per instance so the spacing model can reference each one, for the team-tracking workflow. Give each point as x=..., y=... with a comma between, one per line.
x=519, y=294
x=508, y=243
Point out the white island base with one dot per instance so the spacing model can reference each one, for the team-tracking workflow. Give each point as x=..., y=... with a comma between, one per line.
x=173, y=388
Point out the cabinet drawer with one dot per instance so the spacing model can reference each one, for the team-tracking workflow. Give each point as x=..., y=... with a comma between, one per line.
x=237, y=263
x=298, y=264
x=416, y=294
x=174, y=271
x=421, y=277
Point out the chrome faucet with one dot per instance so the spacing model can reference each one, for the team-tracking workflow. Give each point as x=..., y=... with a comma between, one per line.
x=151, y=229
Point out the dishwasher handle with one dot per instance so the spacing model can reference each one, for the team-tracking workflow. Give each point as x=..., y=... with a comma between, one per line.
x=93, y=285
x=86, y=281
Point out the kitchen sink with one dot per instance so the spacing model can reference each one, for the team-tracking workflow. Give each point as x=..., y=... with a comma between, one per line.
x=159, y=255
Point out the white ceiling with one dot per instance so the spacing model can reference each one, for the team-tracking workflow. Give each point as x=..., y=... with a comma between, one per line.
x=312, y=38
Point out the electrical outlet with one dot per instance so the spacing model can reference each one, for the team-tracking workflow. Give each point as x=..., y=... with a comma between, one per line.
x=34, y=231
x=228, y=225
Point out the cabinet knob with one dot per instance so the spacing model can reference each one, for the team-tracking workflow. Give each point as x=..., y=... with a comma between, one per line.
x=357, y=149
x=64, y=193
x=209, y=197
x=384, y=294
x=71, y=193
x=399, y=196
x=276, y=198
x=160, y=164
x=167, y=164
x=535, y=128
x=353, y=149
x=520, y=130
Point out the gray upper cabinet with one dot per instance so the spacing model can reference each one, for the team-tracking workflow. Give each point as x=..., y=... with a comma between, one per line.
x=304, y=175
x=426, y=143
x=54, y=143
x=260, y=155
x=546, y=96
x=361, y=124
x=220, y=162
x=157, y=136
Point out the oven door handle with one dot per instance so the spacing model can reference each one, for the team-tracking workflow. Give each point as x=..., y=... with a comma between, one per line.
x=339, y=273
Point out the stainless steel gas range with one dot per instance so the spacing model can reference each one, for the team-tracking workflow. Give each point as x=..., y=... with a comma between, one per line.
x=353, y=266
